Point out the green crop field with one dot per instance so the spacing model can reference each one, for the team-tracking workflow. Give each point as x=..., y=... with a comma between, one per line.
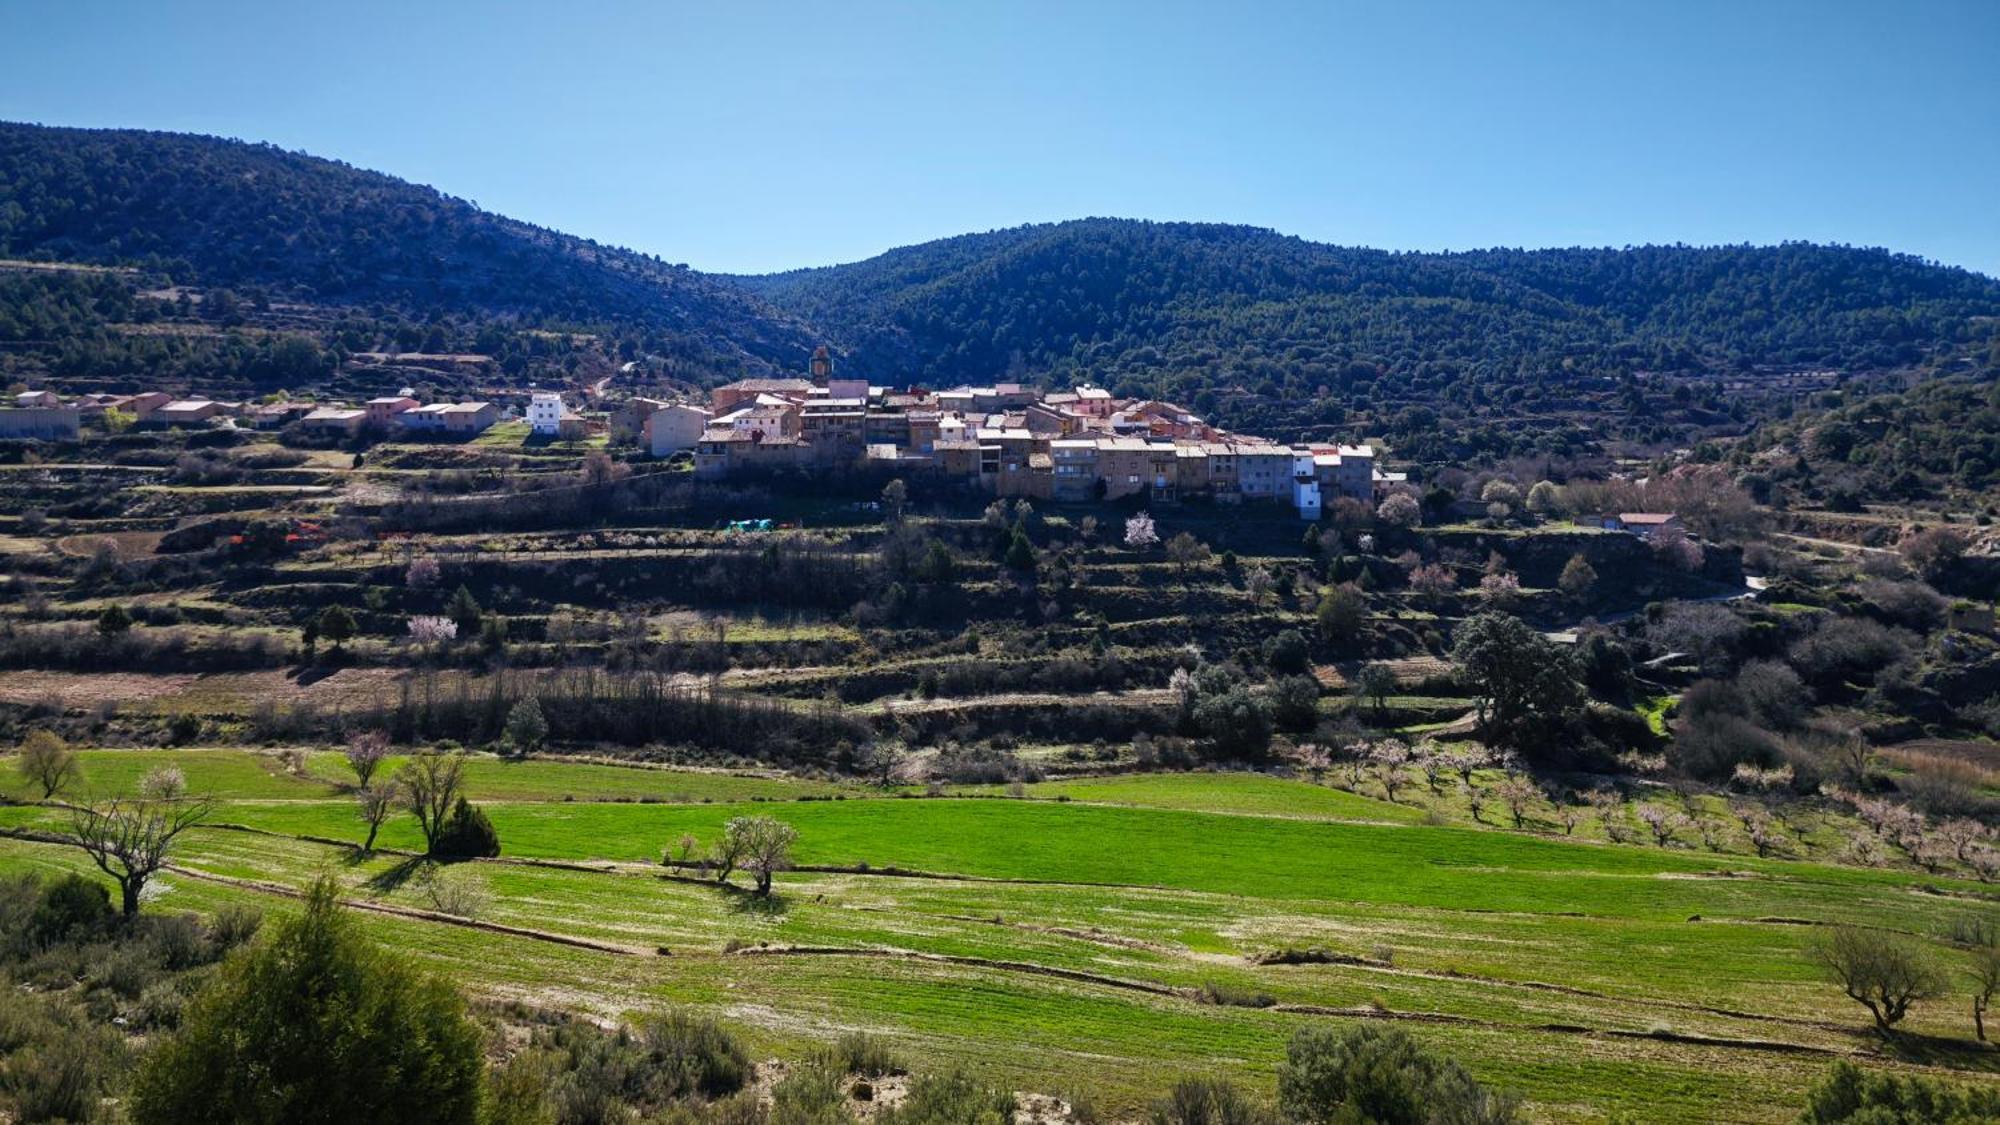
x=1062, y=939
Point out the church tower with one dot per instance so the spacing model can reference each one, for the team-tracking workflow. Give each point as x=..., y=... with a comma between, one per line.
x=822, y=365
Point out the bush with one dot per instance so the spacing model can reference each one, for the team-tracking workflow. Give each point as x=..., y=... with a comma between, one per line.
x=1208, y=1101
x=1295, y=703
x=73, y=908
x=1713, y=746
x=1236, y=722
x=1286, y=653
x=951, y=1098
x=1850, y=1094
x=696, y=1055
x=316, y=1023
x=55, y=1070
x=467, y=834
x=1380, y=1075
x=866, y=1055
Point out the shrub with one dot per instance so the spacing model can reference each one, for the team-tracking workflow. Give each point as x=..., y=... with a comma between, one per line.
x=951, y=1098
x=1208, y=1101
x=457, y=891
x=1713, y=746
x=1287, y=653
x=1295, y=703
x=696, y=1054
x=866, y=1055
x=1848, y=1093
x=467, y=834
x=316, y=1023
x=1380, y=1075
x=73, y=908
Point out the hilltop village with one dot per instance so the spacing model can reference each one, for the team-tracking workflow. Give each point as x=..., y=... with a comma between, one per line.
x=1009, y=439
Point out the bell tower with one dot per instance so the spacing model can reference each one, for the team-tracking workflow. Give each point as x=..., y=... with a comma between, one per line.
x=822, y=365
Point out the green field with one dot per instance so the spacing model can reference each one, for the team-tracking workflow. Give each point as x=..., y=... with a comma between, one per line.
x=1054, y=943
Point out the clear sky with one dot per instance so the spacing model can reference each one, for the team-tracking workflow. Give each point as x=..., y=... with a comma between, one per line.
x=737, y=135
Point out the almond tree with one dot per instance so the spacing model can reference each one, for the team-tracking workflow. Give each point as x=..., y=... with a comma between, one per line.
x=1475, y=801
x=1664, y=823
x=1569, y=815
x=1758, y=828
x=375, y=805
x=129, y=839
x=1518, y=794
x=1432, y=763
x=1960, y=834
x=1392, y=760
x=366, y=751
x=1140, y=533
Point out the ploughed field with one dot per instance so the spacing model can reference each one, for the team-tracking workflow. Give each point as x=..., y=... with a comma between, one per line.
x=1100, y=933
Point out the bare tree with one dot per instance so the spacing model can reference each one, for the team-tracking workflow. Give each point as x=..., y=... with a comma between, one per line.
x=766, y=845
x=48, y=762
x=129, y=839
x=432, y=785
x=366, y=750
x=1879, y=971
x=1985, y=976
x=375, y=805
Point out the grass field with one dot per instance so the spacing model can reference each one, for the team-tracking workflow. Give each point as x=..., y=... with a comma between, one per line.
x=1057, y=940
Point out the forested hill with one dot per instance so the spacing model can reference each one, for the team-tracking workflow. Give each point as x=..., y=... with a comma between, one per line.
x=1175, y=308
x=218, y=212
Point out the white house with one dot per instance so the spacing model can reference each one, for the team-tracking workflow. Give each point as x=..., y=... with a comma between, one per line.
x=1305, y=484
x=545, y=413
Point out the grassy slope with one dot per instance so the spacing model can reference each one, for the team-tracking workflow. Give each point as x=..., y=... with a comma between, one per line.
x=1471, y=917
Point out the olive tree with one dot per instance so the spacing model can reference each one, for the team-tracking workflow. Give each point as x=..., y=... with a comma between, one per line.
x=763, y=845
x=1880, y=971
x=48, y=763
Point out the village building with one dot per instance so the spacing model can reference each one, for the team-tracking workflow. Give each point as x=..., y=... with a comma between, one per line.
x=343, y=420
x=383, y=411
x=39, y=423
x=184, y=412
x=673, y=429
x=1645, y=525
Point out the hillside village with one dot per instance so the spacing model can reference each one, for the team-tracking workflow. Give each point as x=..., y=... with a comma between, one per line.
x=1009, y=439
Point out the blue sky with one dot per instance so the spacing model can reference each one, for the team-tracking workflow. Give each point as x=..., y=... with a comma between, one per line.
x=743, y=136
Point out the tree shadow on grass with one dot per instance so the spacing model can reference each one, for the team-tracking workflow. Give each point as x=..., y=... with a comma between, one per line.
x=395, y=877
x=1940, y=1050
x=743, y=900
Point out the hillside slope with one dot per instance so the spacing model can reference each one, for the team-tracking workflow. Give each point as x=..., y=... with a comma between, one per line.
x=1175, y=308
x=225, y=213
